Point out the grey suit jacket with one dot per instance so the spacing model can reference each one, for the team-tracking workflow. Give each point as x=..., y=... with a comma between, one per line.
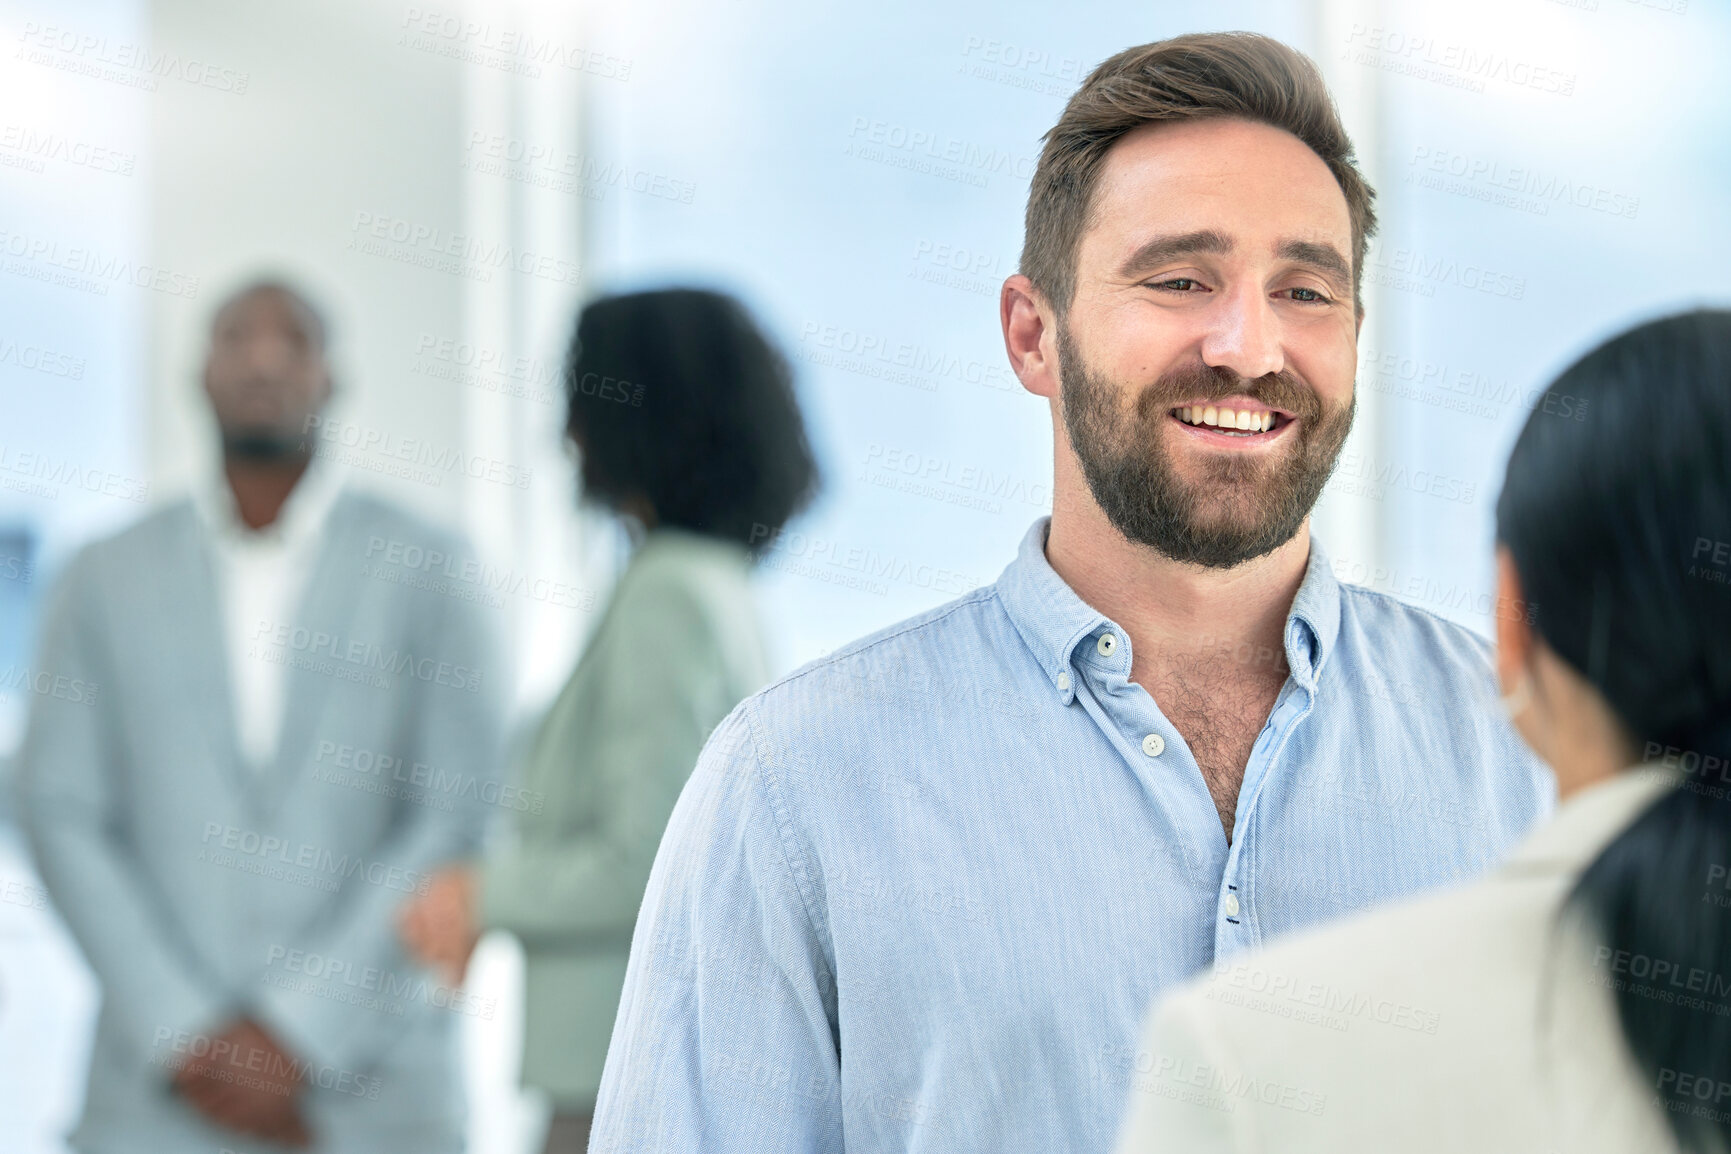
x=200, y=888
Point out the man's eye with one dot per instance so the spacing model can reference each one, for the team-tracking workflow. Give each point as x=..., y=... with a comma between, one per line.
x=1309, y=296
x=1181, y=284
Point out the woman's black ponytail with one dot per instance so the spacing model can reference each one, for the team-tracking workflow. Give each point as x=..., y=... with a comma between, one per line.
x=1618, y=518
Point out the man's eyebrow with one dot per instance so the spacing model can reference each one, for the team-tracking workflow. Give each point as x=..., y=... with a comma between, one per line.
x=1322, y=257
x=1160, y=249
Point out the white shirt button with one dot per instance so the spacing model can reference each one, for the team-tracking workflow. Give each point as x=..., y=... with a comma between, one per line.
x=1063, y=681
x=1231, y=905
x=1107, y=645
x=1153, y=745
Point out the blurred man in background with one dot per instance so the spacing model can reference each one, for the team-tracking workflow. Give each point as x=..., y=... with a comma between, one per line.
x=219, y=821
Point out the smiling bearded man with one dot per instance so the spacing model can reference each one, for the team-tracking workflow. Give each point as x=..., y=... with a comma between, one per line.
x=916, y=895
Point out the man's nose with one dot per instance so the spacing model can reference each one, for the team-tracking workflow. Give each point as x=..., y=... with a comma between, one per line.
x=1244, y=335
x=268, y=360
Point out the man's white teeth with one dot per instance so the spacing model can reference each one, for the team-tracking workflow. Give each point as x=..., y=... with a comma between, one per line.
x=1250, y=420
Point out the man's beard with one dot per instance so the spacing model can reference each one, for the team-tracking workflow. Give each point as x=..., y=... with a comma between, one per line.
x=1244, y=506
x=262, y=445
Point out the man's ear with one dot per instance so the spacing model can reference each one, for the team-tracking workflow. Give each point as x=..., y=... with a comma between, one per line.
x=1030, y=335
x=1515, y=636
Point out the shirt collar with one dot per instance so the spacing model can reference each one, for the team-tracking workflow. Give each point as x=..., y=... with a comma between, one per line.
x=1053, y=620
x=302, y=517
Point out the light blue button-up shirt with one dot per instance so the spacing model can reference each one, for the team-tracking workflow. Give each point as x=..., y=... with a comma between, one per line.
x=918, y=895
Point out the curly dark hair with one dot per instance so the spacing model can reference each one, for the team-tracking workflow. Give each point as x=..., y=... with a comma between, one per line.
x=678, y=398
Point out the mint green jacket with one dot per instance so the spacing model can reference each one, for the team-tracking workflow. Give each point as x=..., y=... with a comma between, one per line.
x=678, y=646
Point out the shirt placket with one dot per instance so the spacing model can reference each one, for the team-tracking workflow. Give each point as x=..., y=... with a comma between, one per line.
x=1150, y=744
x=1239, y=926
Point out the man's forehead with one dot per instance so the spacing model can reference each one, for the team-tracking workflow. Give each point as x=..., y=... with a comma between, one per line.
x=1255, y=184
x=267, y=306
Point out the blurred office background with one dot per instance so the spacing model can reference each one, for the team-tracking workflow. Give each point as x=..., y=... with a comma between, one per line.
x=451, y=180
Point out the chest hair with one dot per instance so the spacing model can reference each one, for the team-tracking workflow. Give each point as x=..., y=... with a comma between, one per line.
x=1219, y=706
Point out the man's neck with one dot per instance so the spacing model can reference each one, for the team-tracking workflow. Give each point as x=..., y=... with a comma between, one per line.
x=1170, y=609
x=262, y=488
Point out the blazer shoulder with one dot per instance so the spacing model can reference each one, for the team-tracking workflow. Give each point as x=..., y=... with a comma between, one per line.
x=145, y=543
x=396, y=525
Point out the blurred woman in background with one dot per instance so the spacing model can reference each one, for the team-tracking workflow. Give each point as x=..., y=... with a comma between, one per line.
x=1579, y=998
x=685, y=419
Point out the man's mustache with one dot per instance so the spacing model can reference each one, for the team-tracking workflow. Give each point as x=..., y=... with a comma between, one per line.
x=1283, y=390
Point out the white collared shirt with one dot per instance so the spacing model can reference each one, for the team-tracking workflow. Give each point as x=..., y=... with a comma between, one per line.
x=261, y=575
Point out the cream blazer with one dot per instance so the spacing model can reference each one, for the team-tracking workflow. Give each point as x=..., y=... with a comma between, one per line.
x=1470, y=1020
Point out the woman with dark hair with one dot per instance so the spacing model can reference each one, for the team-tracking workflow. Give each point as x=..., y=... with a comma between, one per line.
x=685, y=418
x=1578, y=998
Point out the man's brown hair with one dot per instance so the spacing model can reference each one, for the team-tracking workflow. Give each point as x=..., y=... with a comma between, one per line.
x=1238, y=74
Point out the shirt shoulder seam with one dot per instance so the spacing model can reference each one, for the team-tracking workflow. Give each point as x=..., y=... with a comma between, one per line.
x=984, y=593
x=1453, y=627
x=790, y=850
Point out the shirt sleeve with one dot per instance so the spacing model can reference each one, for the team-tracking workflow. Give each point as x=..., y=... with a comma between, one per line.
x=726, y=1038
x=1175, y=1106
